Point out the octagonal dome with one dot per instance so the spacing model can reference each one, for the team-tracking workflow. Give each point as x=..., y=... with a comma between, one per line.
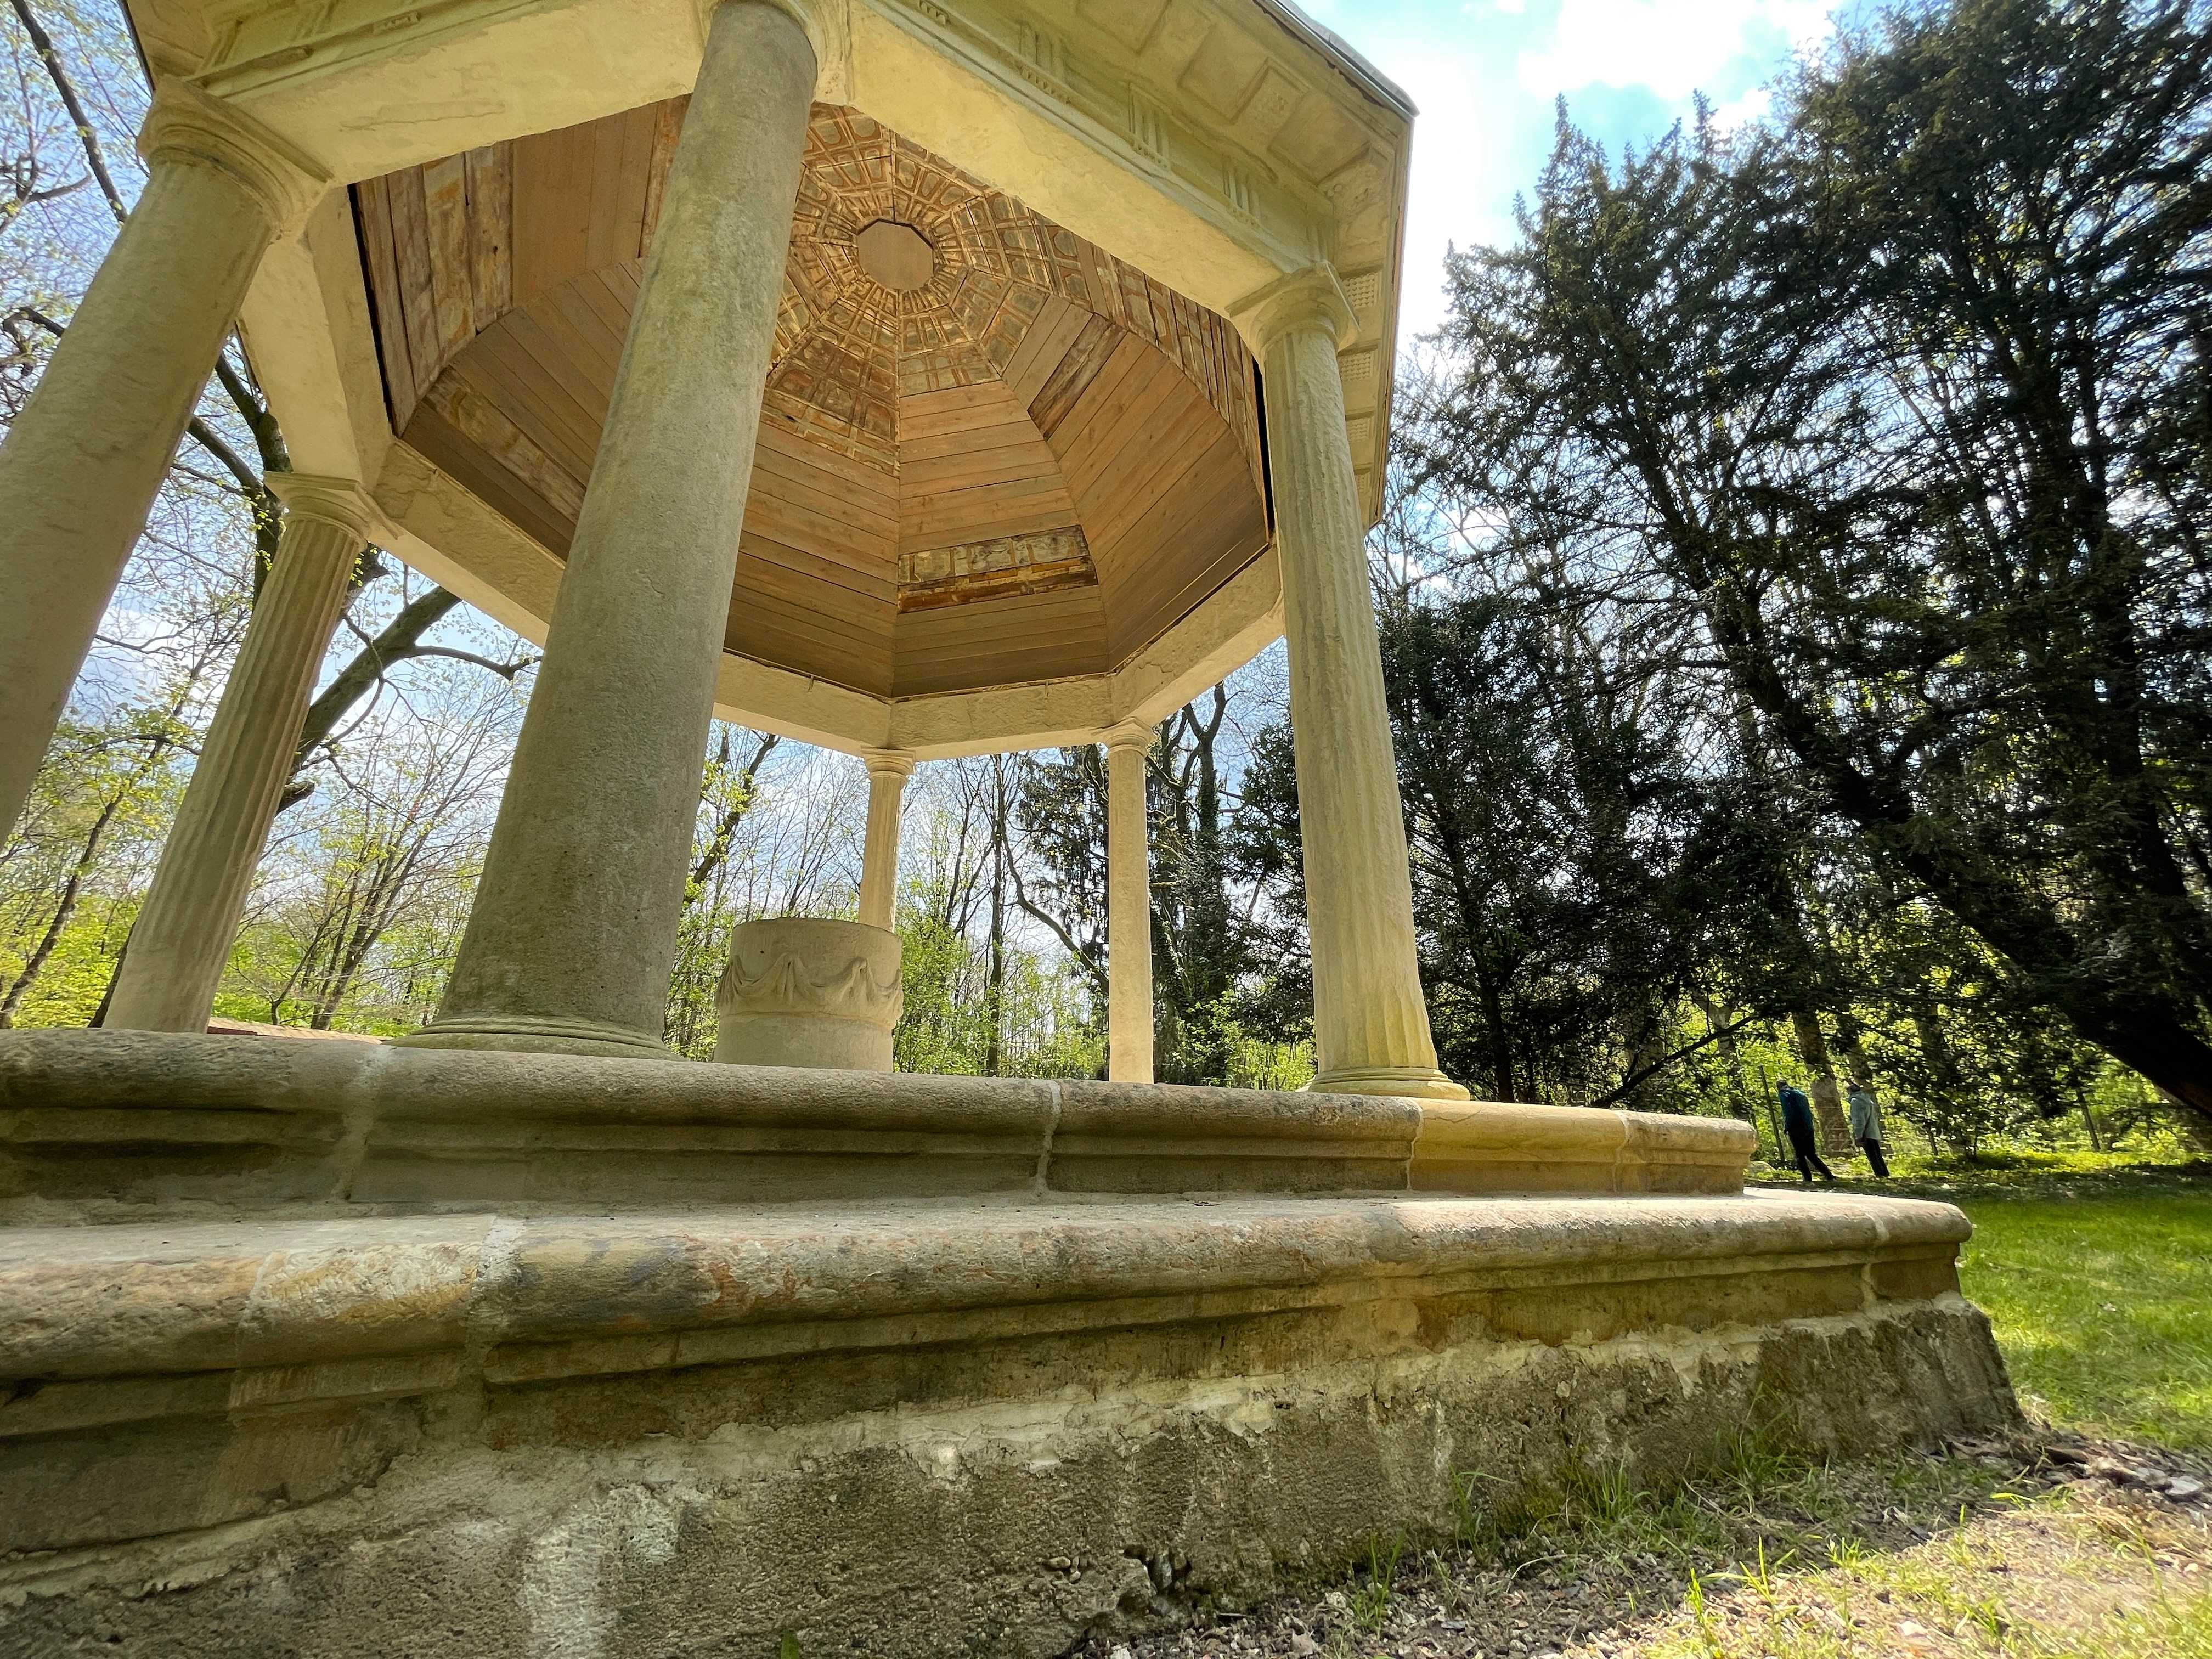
x=990, y=453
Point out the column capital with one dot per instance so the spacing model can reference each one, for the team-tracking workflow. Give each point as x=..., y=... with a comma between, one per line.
x=1310, y=298
x=341, y=502
x=188, y=126
x=824, y=22
x=888, y=763
x=1129, y=734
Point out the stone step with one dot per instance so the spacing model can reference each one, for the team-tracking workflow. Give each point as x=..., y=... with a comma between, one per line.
x=97, y=1125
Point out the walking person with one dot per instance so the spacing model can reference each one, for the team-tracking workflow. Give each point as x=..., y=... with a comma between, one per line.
x=1797, y=1124
x=1866, y=1128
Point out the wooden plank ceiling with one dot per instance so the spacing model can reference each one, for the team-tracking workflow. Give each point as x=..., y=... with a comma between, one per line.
x=1023, y=469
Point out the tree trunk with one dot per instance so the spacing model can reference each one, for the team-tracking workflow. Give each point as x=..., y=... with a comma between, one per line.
x=1850, y=1046
x=1927, y=1025
x=71, y=890
x=1827, y=1098
x=994, y=984
x=2089, y=1118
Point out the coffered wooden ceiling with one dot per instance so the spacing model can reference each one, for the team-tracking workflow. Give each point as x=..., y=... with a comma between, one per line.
x=990, y=453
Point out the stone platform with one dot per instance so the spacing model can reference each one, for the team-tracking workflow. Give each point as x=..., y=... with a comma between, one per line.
x=985, y=1421
x=104, y=1125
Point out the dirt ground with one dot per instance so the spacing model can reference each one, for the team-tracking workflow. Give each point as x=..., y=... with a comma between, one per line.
x=2048, y=1544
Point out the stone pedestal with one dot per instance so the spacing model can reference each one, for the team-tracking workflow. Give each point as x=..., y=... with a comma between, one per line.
x=804, y=992
x=184, y=932
x=1128, y=908
x=82, y=462
x=573, y=933
x=1370, y=1022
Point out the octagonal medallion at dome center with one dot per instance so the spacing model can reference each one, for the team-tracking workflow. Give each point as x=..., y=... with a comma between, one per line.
x=895, y=256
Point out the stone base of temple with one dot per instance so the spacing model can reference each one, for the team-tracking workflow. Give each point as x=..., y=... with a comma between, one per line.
x=976, y=1422
x=107, y=1126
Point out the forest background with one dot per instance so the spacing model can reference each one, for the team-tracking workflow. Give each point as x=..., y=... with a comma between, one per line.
x=1793, y=591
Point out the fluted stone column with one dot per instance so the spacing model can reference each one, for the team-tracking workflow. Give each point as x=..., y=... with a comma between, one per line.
x=573, y=935
x=887, y=771
x=1371, y=1024
x=184, y=932
x=82, y=462
x=1128, y=908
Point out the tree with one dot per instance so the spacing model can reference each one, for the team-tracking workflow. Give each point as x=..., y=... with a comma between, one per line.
x=1903, y=408
x=395, y=846
x=1061, y=809
x=1199, y=955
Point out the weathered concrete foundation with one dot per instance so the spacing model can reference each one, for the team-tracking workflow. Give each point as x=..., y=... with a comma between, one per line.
x=994, y=1421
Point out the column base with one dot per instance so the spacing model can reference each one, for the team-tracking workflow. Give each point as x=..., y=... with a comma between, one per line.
x=523, y=1034
x=1409, y=1082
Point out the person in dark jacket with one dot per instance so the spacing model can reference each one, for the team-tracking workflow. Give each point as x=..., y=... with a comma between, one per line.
x=1797, y=1124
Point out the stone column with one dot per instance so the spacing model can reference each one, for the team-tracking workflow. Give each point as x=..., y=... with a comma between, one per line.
x=184, y=934
x=82, y=462
x=887, y=771
x=1128, y=908
x=573, y=935
x=1371, y=1024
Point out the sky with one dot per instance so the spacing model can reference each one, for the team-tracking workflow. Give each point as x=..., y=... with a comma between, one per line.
x=1486, y=75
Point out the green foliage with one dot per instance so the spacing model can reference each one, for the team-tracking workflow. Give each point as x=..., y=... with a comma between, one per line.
x=946, y=1027
x=1892, y=416
x=1371, y=1597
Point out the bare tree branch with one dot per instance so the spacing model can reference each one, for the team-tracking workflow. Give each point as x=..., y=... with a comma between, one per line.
x=249, y=479
x=400, y=640
x=506, y=671
x=718, y=848
x=43, y=44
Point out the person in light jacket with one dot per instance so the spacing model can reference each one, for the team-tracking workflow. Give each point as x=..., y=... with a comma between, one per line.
x=1866, y=1129
x=1797, y=1124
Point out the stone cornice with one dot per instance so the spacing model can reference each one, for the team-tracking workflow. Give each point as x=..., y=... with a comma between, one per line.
x=1127, y=106
x=188, y=125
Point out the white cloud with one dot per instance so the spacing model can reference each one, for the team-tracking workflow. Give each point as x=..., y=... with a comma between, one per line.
x=1753, y=107
x=1672, y=47
x=1455, y=155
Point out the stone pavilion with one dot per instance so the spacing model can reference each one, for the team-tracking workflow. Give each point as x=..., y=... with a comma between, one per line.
x=920, y=378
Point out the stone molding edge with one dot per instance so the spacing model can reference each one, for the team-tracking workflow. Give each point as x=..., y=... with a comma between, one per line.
x=187, y=124
x=1311, y=298
x=1408, y=1082
x=1467, y=1136
x=533, y=1034
x=1106, y=128
x=507, y=1286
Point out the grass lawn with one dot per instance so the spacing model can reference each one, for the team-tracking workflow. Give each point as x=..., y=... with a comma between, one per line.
x=2099, y=1285
x=2097, y=1276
